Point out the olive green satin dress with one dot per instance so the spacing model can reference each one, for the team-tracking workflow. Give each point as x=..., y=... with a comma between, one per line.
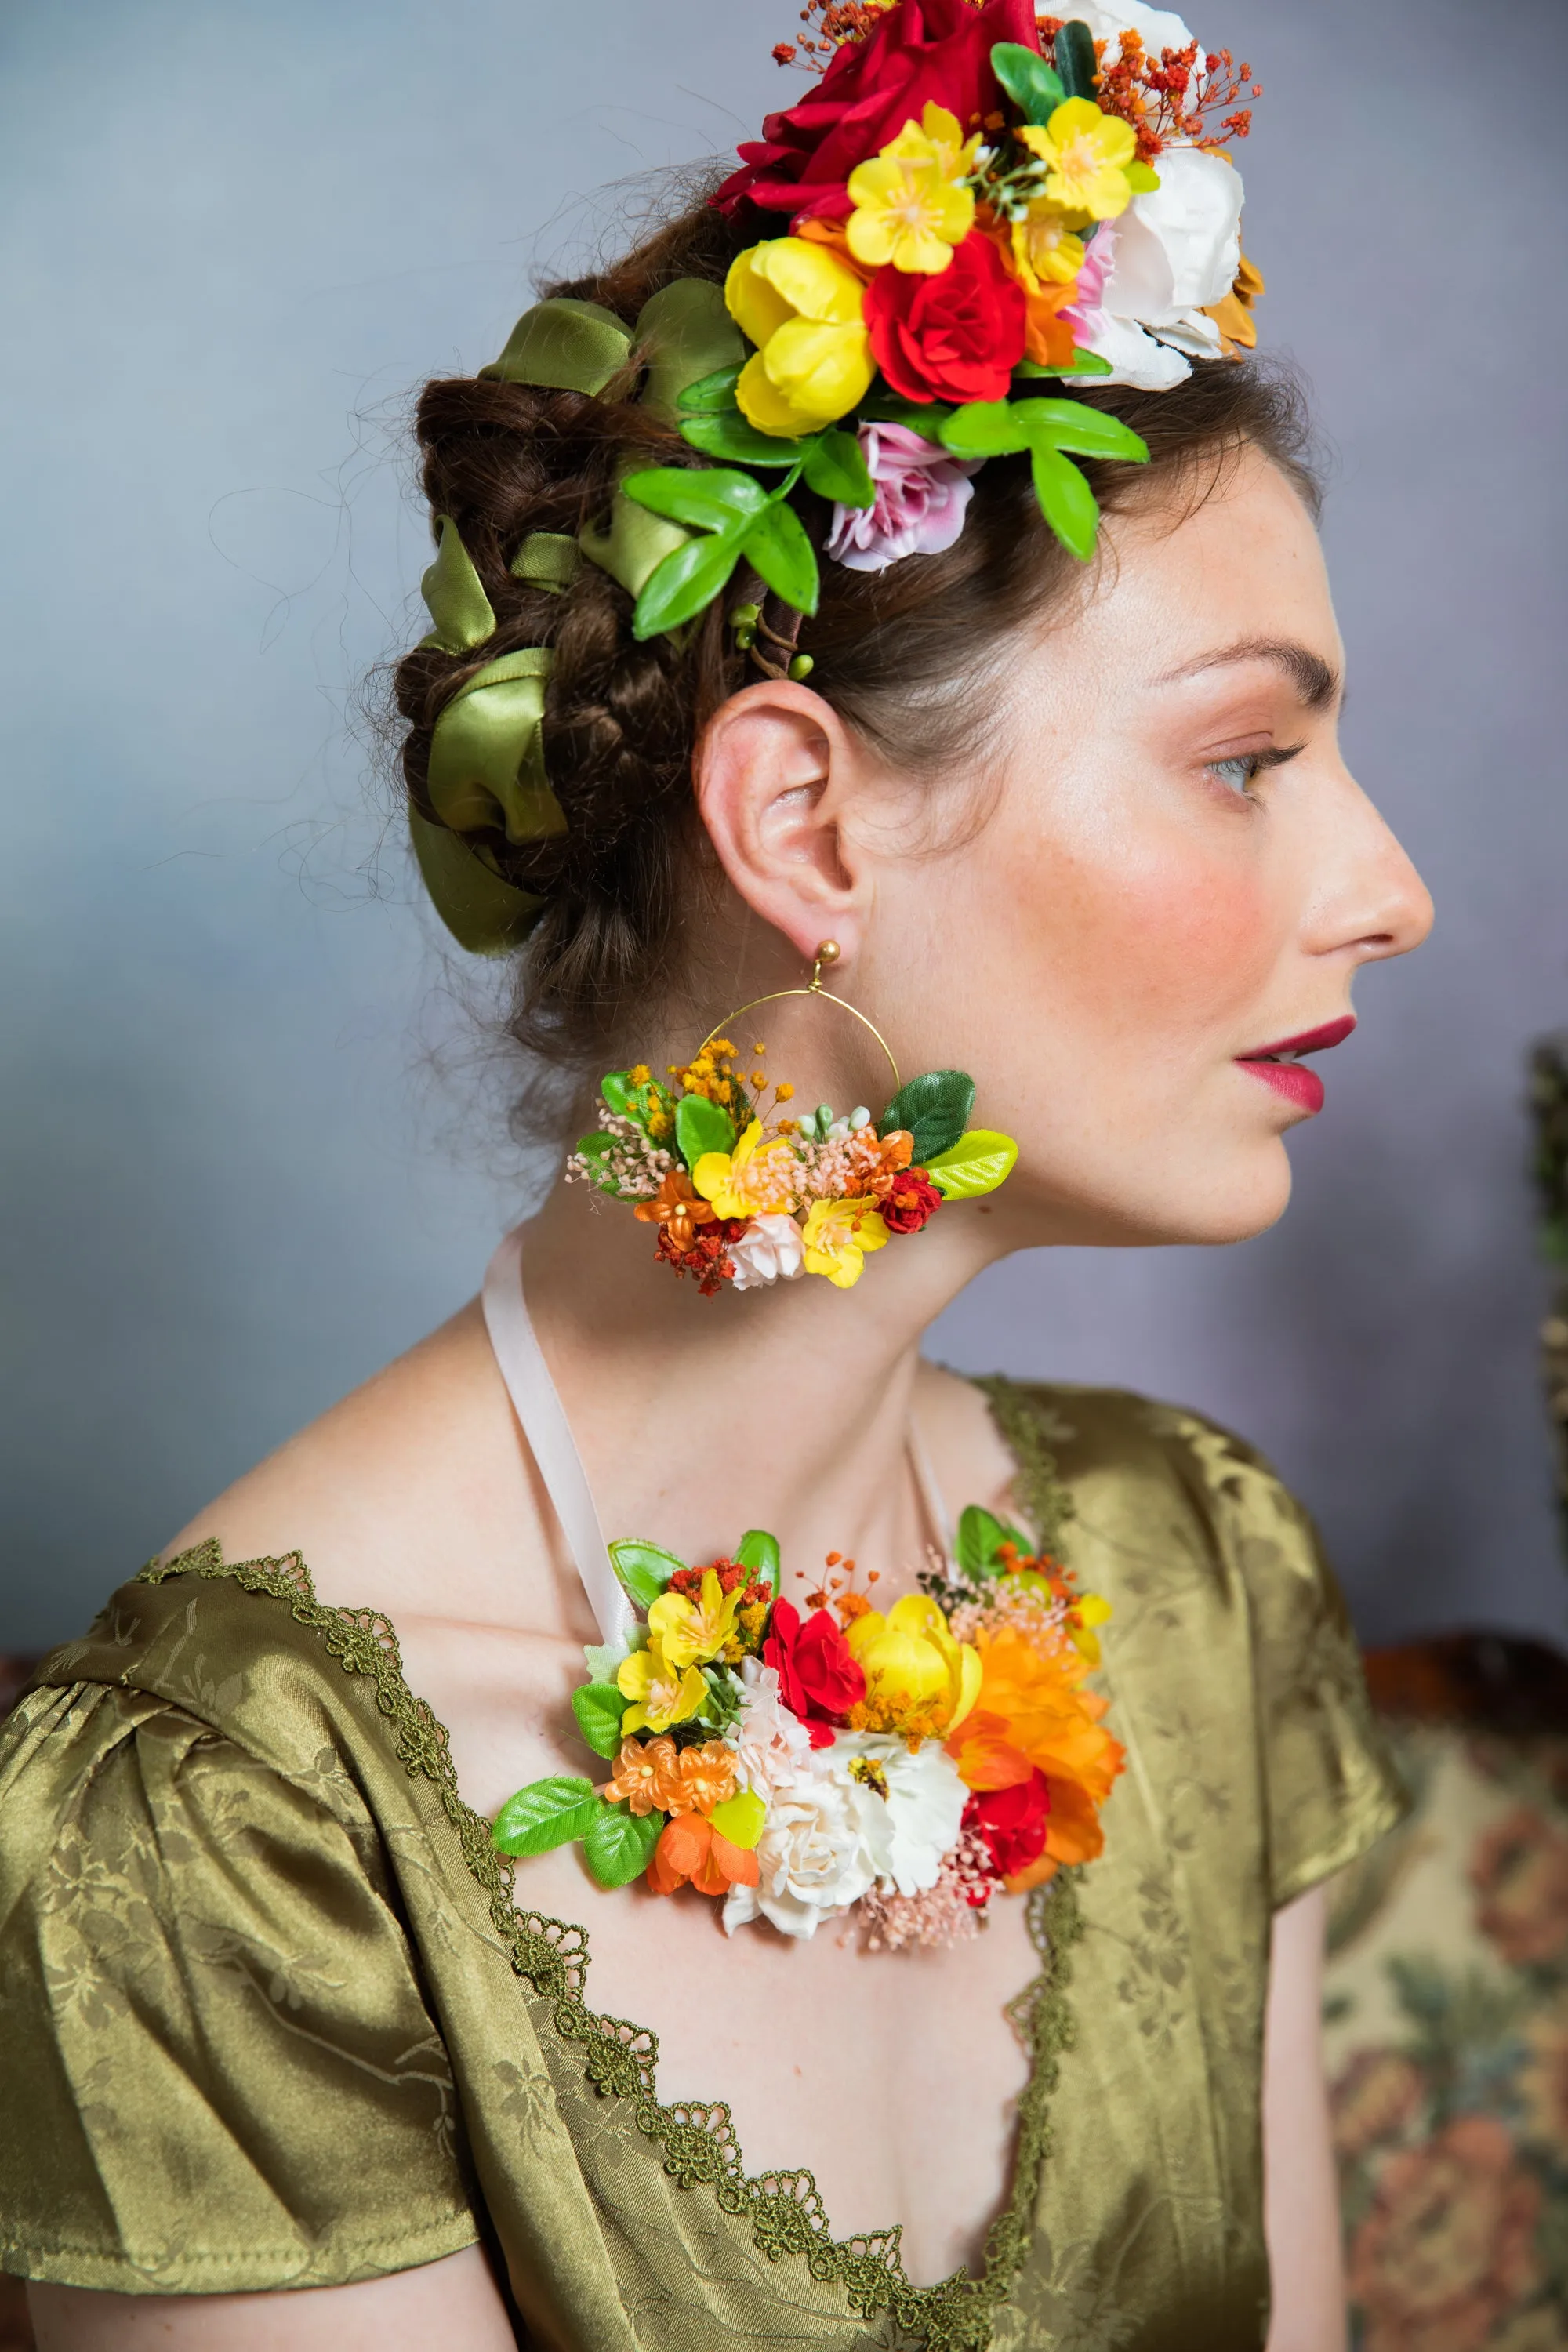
x=271, y=2018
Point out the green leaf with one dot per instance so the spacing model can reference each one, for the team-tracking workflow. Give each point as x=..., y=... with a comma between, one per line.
x=934, y=1107
x=726, y=433
x=643, y=1569
x=1066, y=501
x=593, y=1149
x=1082, y=362
x=977, y=1163
x=618, y=1091
x=981, y=1536
x=985, y=428
x=1075, y=62
x=598, y=1707
x=1073, y=425
x=924, y=417
x=546, y=1813
x=1142, y=178
x=777, y=547
x=759, y=1552
x=618, y=1844
x=708, y=498
x=684, y=585
x=703, y=1125
x=715, y=391
x=836, y=469
x=1027, y=79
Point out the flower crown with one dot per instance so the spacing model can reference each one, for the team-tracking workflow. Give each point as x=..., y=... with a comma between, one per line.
x=980, y=206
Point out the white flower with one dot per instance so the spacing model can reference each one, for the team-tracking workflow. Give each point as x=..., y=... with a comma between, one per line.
x=908, y=1830
x=768, y=1737
x=769, y=1249
x=1107, y=21
x=1170, y=254
x=812, y=1858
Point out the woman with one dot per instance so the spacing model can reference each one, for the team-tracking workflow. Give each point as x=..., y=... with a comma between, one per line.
x=1032, y=753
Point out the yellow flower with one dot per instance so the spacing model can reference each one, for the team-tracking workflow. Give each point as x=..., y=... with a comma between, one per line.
x=756, y=1179
x=1046, y=249
x=661, y=1692
x=916, y=1676
x=1092, y=1611
x=801, y=305
x=1088, y=154
x=911, y=210
x=690, y=1633
x=838, y=1234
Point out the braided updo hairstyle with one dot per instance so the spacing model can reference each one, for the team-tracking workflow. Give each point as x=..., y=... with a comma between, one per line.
x=899, y=654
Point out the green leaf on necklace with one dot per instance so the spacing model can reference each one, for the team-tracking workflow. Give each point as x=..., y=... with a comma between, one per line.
x=619, y=1845
x=759, y=1552
x=598, y=1707
x=545, y=1815
x=934, y=1107
x=981, y=1536
x=1027, y=79
x=643, y=1569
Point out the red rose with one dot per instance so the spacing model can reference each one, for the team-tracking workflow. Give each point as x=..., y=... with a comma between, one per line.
x=912, y=1200
x=923, y=50
x=818, y=1678
x=1012, y=1822
x=957, y=336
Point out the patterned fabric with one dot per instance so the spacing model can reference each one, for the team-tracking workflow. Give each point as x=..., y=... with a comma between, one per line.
x=274, y=2019
x=1447, y=2009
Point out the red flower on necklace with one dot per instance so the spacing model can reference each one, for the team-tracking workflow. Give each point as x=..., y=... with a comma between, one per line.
x=818, y=1678
x=935, y=50
x=1011, y=1823
x=911, y=1201
x=957, y=336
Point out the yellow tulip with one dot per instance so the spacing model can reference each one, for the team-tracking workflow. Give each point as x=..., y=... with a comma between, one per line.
x=801, y=305
x=661, y=1692
x=1088, y=154
x=755, y=1180
x=917, y=1678
x=838, y=1234
x=690, y=1633
x=910, y=207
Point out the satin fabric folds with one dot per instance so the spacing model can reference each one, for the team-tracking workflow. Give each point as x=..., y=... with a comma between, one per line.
x=264, y=2026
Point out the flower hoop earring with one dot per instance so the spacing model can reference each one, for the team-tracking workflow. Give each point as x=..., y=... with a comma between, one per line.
x=744, y=1193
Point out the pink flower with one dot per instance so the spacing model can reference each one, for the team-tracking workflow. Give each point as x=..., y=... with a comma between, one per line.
x=921, y=493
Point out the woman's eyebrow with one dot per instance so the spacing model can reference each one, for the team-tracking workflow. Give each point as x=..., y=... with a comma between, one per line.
x=1317, y=682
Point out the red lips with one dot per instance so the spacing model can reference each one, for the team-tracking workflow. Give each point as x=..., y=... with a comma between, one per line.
x=1301, y=1086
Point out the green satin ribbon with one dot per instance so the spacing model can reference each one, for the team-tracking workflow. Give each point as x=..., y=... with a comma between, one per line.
x=487, y=760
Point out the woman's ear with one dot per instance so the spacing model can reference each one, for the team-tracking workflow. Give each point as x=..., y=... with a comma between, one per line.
x=775, y=773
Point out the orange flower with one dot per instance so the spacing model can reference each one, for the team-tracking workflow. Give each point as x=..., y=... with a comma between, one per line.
x=647, y=1773
x=879, y=1161
x=677, y=1206
x=706, y=1778
x=1032, y=1714
x=689, y=1847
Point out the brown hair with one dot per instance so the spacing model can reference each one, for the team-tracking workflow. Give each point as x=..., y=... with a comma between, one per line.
x=897, y=653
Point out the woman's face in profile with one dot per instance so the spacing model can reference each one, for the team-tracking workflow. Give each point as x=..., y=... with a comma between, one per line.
x=1179, y=875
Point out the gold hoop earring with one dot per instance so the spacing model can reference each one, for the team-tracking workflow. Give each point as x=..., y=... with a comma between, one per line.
x=744, y=1197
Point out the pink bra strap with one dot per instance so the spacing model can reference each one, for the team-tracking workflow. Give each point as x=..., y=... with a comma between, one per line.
x=544, y=1424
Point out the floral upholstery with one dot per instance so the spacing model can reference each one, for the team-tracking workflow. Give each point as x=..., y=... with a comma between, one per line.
x=1447, y=2013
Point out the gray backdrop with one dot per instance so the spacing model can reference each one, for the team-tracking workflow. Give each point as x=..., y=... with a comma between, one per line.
x=249, y=1147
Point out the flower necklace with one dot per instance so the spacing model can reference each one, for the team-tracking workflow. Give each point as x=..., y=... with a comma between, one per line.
x=905, y=1767
x=745, y=1193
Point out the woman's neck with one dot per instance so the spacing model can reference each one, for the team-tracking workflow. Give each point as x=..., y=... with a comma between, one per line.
x=787, y=1408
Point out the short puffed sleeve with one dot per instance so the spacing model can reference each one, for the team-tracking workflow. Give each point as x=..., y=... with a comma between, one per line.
x=218, y=2071
x=1331, y=1788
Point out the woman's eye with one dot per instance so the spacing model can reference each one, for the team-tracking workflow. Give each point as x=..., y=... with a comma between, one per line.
x=1238, y=773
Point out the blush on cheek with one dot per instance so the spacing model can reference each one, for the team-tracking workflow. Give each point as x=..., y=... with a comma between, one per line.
x=1163, y=955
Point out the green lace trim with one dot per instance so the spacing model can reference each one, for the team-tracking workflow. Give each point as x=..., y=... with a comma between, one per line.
x=701, y=2147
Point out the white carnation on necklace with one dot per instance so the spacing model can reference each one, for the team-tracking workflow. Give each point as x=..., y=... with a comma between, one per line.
x=770, y=1250
x=769, y=1740
x=916, y=1812
x=812, y=1856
